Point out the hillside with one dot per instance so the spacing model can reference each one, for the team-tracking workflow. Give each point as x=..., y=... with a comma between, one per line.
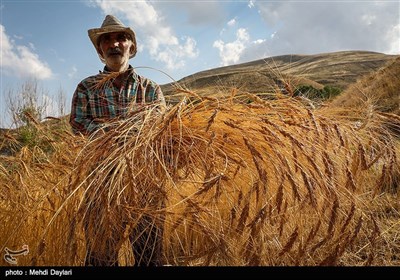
x=382, y=88
x=338, y=69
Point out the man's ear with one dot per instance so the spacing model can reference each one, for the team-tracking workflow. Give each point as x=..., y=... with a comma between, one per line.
x=132, y=49
x=100, y=52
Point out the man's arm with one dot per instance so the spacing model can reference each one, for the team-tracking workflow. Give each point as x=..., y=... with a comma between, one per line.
x=80, y=119
x=160, y=96
x=153, y=93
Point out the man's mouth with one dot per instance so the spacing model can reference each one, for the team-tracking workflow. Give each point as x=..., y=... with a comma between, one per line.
x=114, y=52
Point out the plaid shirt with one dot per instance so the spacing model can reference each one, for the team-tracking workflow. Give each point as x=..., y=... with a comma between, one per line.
x=92, y=106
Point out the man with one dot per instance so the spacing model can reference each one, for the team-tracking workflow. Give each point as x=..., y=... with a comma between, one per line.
x=95, y=103
x=92, y=106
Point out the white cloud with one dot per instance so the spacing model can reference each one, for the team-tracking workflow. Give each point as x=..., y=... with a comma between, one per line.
x=324, y=26
x=250, y=4
x=394, y=45
x=20, y=61
x=197, y=13
x=232, y=22
x=230, y=52
x=259, y=41
x=73, y=72
x=32, y=46
x=152, y=32
x=368, y=19
x=175, y=59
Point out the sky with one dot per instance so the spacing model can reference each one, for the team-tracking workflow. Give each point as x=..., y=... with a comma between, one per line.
x=46, y=41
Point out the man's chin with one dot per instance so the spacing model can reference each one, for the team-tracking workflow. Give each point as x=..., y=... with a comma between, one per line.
x=115, y=59
x=114, y=56
x=116, y=64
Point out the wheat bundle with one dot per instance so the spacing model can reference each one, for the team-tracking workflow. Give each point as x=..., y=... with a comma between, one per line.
x=230, y=179
x=235, y=180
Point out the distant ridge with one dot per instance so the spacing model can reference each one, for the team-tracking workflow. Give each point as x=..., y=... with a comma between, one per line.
x=338, y=69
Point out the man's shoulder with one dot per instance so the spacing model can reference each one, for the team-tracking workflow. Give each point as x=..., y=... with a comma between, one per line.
x=91, y=78
x=146, y=81
x=89, y=81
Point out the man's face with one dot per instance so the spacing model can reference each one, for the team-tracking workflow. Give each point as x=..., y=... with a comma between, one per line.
x=116, y=47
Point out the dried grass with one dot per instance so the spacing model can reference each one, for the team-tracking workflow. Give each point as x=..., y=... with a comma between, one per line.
x=233, y=180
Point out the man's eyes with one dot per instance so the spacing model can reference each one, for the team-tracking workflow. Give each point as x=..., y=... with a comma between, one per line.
x=120, y=38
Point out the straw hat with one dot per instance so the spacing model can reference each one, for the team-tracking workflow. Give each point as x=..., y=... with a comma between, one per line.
x=110, y=24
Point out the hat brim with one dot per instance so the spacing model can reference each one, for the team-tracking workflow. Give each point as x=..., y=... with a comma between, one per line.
x=95, y=33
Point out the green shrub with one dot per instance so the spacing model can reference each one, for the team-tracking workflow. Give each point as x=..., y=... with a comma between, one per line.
x=312, y=93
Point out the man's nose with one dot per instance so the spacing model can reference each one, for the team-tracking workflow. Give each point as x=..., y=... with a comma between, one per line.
x=114, y=43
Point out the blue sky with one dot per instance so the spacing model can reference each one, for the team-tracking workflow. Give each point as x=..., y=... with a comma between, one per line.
x=47, y=40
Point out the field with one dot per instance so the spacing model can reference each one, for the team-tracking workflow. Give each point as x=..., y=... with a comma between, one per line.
x=233, y=178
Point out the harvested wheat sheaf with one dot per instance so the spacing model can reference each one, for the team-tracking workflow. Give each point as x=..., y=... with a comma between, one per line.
x=267, y=182
x=233, y=179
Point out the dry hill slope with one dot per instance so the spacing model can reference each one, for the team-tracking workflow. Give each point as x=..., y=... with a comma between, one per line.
x=382, y=88
x=338, y=69
x=377, y=91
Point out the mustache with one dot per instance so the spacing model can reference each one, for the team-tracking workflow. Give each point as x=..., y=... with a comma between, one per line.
x=114, y=51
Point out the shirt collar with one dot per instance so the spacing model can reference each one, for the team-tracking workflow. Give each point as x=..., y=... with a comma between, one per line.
x=106, y=71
